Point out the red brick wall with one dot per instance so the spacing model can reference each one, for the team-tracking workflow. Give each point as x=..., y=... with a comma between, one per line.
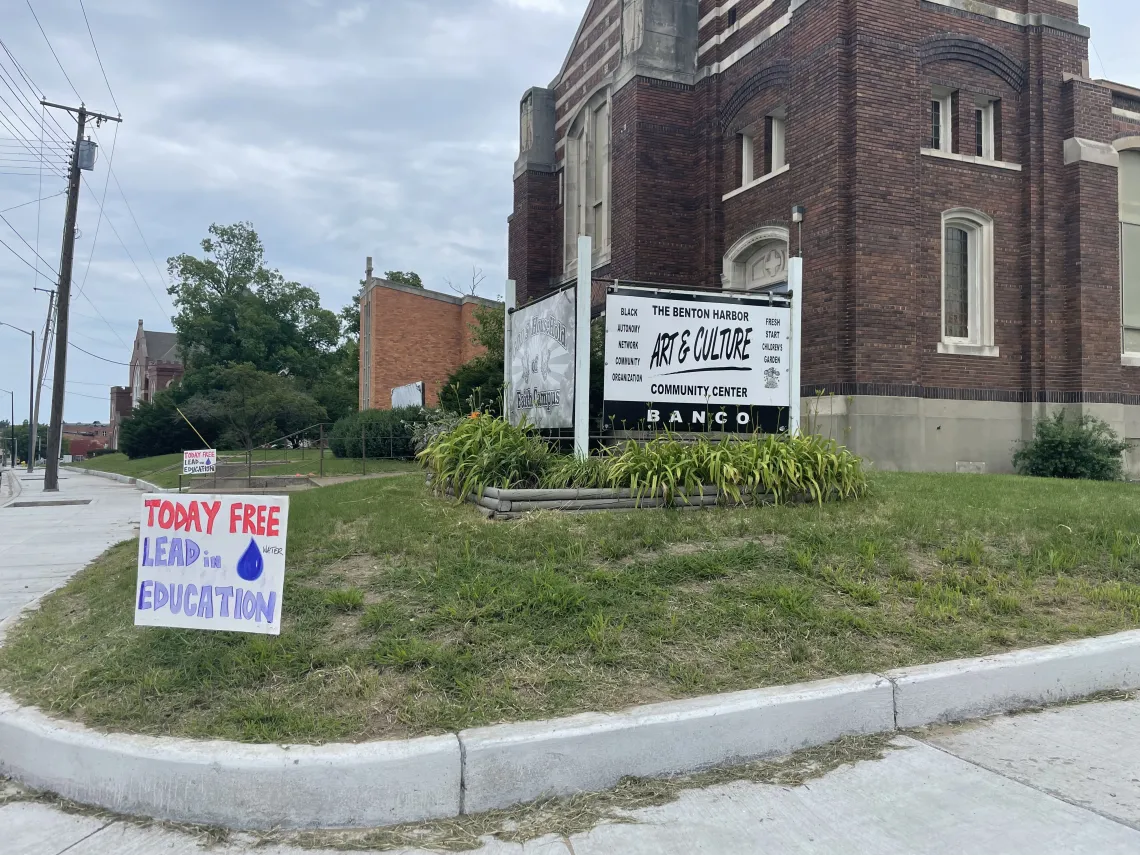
x=417, y=337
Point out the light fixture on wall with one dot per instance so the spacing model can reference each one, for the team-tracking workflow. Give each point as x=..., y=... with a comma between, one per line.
x=798, y=212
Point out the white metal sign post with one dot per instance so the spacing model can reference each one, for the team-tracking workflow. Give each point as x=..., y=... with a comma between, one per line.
x=508, y=347
x=796, y=285
x=582, y=354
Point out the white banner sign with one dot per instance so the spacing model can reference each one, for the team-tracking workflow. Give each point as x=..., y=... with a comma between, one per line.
x=411, y=395
x=199, y=462
x=212, y=562
x=542, y=362
x=696, y=362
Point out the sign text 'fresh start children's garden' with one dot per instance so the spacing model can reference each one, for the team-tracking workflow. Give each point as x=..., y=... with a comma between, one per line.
x=212, y=562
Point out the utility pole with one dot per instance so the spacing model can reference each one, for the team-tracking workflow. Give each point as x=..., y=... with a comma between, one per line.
x=40, y=381
x=63, y=293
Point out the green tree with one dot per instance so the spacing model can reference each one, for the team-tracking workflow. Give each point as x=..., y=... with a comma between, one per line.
x=232, y=309
x=155, y=427
x=248, y=407
x=410, y=278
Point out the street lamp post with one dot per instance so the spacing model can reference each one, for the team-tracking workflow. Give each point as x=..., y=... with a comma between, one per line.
x=12, y=424
x=31, y=397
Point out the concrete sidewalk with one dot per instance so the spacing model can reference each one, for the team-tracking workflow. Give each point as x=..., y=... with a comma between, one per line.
x=42, y=545
x=1059, y=781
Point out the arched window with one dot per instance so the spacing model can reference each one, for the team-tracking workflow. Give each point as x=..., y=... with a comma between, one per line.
x=967, y=283
x=758, y=261
x=1130, y=248
x=587, y=180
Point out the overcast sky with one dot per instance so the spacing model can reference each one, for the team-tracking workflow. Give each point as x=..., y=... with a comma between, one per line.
x=340, y=128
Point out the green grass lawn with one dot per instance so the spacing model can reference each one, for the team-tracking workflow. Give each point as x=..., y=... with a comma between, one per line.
x=405, y=614
x=164, y=470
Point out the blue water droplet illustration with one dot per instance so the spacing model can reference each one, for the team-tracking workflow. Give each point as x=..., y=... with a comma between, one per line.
x=251, y=564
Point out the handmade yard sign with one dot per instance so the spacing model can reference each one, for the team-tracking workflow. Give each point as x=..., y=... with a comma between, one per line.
x=202, y=462
x=212, y=562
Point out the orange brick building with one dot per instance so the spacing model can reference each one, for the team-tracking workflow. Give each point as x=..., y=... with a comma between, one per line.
x=411, y=335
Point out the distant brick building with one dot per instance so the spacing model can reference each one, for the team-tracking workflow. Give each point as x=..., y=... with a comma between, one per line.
x=412, y=335
x=972, y=239
x=156, y=363
x=85, y=438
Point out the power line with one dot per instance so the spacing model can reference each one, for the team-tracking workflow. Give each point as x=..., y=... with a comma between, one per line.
x=101, y=68
x=123, y=244
x=97, y=356
x=99, y=222
x=52, y=49
x=114, y=332
x=5, y=245
x=32, y=202
x=72, y=394
x=28, y=245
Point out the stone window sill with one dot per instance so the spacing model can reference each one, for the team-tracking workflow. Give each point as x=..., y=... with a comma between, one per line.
x=1132, y=359
x=959, y=349
x=756, y=182
x=601, y=259
x=966, y=158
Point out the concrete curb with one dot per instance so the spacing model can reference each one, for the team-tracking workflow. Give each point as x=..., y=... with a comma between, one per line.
x=239, y=786
x=372, y=784
x=973, y=688
x=512, y=763
x=14, y=486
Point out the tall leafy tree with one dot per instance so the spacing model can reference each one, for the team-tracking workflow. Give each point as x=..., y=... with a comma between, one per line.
x=232, y=309
x=249, y=407
x=410, y=278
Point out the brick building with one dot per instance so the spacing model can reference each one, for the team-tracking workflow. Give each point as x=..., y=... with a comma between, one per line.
x=972, y=235
x=82, y=438
x=412, y=335
x=156, y=363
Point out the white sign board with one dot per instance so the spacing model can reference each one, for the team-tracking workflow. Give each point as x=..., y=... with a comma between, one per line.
x=199, y=462
x=411, y=395
x=696, y=362
x=212, y=562
x=542, y=362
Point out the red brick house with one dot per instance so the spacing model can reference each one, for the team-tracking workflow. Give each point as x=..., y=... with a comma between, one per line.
x=412, y=335
x=972, y=234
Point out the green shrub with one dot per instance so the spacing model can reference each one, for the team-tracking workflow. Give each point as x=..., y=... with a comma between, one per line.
x=484, y=451
x=387, y=433
x=1081, y=447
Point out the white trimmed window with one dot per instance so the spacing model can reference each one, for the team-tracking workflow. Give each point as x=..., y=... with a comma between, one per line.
x=1130, y=249
x=967, y=283
x=987, y=119
x=775, y=156
x=747, y=159
x=941, y=119
x=587, y=181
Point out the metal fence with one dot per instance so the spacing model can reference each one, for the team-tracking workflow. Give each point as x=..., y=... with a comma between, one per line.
x=314, y=452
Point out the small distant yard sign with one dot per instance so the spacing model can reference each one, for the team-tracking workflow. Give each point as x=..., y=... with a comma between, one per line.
x=203, y=462
x=212, y=562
